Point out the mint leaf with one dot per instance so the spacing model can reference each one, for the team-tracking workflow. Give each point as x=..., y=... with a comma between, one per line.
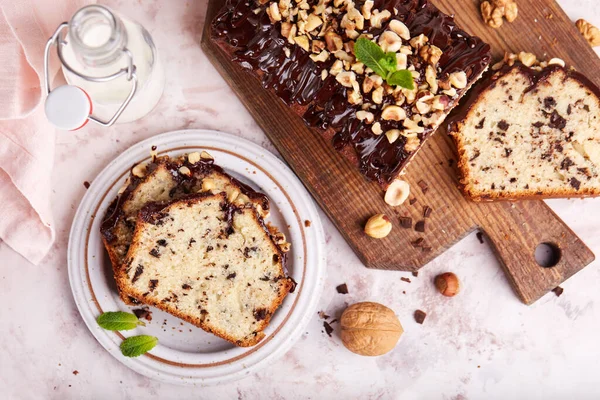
x=403, y=79
x=137, y=345
x=370, y=54
x=118, y=321
x=389, y=63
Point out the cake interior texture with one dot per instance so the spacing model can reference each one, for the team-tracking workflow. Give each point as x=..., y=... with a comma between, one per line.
x=209, y=262
x=530, y=134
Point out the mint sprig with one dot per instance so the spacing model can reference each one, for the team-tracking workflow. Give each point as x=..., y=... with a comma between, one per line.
x=118, y=321
x=382, y=63
x=137, y=345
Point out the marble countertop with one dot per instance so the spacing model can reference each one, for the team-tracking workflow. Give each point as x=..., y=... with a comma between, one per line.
x=483, y=343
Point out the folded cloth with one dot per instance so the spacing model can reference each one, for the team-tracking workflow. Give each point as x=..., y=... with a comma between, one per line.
x=26, y=138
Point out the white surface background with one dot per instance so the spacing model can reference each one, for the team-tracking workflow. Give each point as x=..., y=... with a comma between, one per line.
x=481, y=344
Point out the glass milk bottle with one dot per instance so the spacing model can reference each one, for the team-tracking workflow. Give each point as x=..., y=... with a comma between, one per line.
x=112, y=68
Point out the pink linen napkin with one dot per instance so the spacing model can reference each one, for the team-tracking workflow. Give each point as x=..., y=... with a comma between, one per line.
x=26, y=138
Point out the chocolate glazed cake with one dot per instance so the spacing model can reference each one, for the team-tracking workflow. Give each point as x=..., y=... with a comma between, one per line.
x=304, y=52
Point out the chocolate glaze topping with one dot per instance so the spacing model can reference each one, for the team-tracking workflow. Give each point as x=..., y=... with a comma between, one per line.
x=258, y=46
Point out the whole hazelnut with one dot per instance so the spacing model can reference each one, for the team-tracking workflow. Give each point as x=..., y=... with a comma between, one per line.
x=447, y=284
x=378, y=226
x=370, y=329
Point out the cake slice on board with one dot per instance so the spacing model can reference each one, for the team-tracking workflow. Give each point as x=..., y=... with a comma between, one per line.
x=529, y=131
x=210, y=262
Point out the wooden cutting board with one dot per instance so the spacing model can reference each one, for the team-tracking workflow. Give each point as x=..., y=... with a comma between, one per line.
x=513, y=229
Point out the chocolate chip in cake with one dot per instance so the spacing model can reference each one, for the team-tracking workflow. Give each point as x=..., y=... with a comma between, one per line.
x=556, y=121
x=231, y=275
x=155, y=253
x=477, y=154
x=420, y=226
x=575, y=183
x=161, y=242
x=566, y=163
x=513, y=180
x=260, y=314
x=480, y=124
x=420, y=316
x=185, y=286
x=507, y=152
x=152, y=284
x=503, y=125
x=406, y=222
x=138, y=271
x=538, y=124
x=558, y=291
x=342, y=289
x=549, y=102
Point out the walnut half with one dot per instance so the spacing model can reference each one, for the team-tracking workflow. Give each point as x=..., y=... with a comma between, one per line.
x=589, y=32
x=493, y=12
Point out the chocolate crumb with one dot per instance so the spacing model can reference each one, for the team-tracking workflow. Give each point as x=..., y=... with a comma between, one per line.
x=307, y=223
x=480, y=237
x=86, y=184
x=558, y=291
x=426, y=249
x=427, y=211
x=420, y=226
x=342, y=289
x=405, y=279
x=143, y=313
x=418, y=242
x=412, y=201
x=75, y=372
x=406, y=222
x=328, y=328
x=420, y=316
x=322, y=315
x=415, y=273
x=423, y=185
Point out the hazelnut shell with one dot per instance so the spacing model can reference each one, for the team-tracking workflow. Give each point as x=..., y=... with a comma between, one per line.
x=370, y=329
x=447, y=284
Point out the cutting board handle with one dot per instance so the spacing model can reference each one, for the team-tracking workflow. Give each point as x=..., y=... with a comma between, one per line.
x=529, y=224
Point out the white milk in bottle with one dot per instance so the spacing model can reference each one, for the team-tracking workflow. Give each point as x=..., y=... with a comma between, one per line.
x=98, y=44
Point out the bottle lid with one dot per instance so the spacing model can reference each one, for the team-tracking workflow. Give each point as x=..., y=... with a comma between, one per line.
x=68, y=107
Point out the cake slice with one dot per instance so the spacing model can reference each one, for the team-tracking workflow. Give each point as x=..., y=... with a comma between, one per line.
x=161, y=180
x=303, y=51
x=210, y=262
x=531, y=130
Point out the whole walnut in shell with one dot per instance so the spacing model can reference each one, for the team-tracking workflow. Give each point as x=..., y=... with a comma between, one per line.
x=370, y=329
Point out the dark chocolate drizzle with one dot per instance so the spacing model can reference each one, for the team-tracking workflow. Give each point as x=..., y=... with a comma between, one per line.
x=258, y=46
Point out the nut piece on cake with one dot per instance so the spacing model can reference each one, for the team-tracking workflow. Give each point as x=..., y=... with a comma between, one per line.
x=305, y=53
x=532, y=130
x=210, y=262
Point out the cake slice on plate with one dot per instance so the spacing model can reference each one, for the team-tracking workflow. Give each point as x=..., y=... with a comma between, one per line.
x=161, y=180
x=530, y=130
x=210, y=262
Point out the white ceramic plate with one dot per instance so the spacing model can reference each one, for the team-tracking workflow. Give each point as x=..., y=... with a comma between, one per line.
x=186, y=354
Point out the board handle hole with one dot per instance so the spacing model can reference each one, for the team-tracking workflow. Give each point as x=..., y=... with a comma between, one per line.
x=547, y=255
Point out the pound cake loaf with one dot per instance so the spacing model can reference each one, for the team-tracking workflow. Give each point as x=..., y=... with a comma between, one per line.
x=210, y=262
x=530, y=130
x=303, y=51
x=165, y=179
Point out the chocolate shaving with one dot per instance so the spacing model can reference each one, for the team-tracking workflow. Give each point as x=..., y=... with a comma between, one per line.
x=328, y=328
x=342, y=289
x=420, y=316
x=420, y=226
x=558, y=291
x=480, y=237
x=406, y=222
x=423, y=185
